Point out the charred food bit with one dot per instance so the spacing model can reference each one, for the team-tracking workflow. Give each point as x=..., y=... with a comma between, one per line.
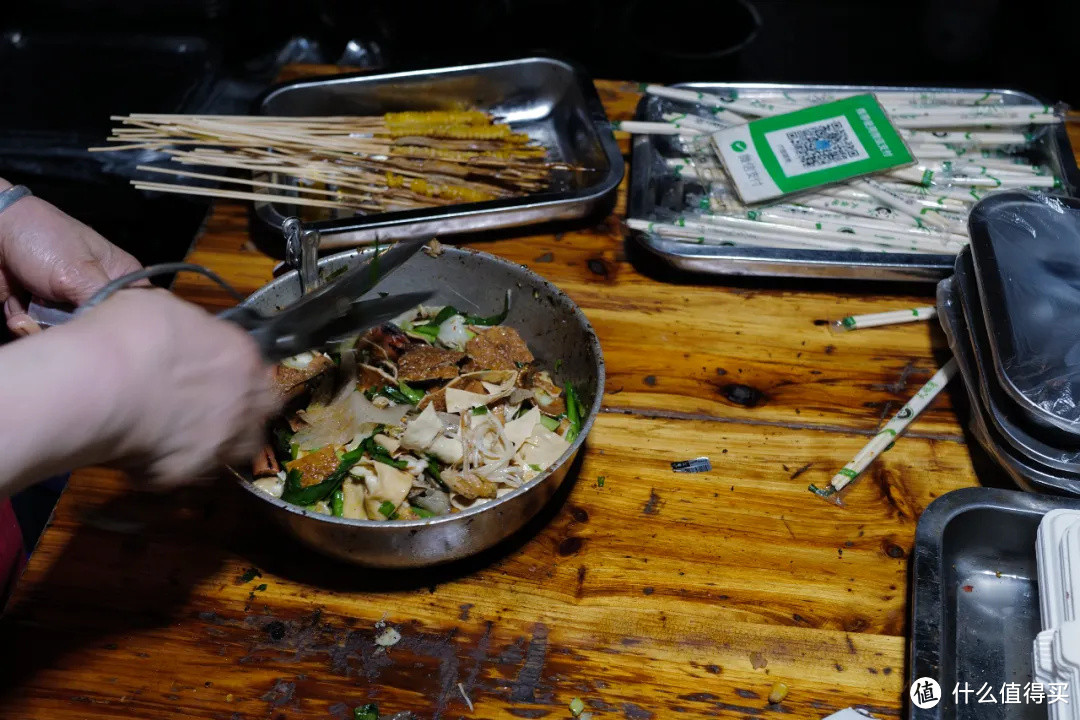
x=288, y=380
x=429, y=363
x=315, y=467
x=499, y=348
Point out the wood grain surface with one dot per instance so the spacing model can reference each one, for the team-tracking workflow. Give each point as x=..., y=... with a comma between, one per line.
x=655, y=595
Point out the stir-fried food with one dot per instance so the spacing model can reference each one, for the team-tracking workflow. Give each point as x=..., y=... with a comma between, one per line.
x=435, y=413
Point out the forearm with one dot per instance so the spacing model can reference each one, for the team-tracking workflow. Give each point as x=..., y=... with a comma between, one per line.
x=58, y=404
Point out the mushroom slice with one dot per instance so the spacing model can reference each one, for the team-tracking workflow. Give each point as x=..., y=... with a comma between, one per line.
x=353, y=493
x=469, y=486
x=422, y=430
x=517, y=431
x=389, y=485
x=542, y=448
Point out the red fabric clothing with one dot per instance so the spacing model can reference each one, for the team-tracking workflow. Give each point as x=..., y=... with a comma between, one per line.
x=12, y=555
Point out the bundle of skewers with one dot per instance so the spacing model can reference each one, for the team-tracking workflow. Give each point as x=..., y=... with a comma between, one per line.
x=397, y=161
x=967, y=145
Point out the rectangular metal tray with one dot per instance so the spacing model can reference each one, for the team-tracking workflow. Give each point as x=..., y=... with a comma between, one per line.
x=551, y=100
x=652, y=184
x=975, y=598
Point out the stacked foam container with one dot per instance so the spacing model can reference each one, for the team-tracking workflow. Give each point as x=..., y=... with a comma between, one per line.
x=1056, y=653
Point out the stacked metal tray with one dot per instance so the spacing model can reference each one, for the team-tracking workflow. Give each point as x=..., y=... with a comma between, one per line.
x=989, y=423
x=1005, y=313
x=654, y=185
x=975, y=599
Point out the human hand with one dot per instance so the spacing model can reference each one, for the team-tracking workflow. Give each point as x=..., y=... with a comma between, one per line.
x=46, y=253
x=191, y=392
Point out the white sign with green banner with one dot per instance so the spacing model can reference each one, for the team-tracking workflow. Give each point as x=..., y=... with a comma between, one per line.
x=810, y=147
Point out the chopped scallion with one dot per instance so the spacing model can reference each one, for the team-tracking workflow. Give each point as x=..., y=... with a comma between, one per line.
x=573, y=413
x=298, y=495
x=282, y=442
x=413, y=395
x=445, y=314
x=380, y=454
x=428, y=332
x=450, y=311
x=336, y=274
x=550, y=423
x=366, y=712
x=432, y=469
x=491, y=319
x=249, y=575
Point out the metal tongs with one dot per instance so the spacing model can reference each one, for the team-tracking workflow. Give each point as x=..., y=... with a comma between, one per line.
x=323, y=316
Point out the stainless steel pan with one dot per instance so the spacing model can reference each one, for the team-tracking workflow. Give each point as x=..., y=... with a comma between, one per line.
x=554, y=329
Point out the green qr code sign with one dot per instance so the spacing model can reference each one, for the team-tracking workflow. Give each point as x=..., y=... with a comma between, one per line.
x=815, y=146
x=810, y=147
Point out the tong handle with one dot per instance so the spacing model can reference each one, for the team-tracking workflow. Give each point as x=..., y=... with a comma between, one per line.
x=302, y=253
x=259, y=327
x=47, y=316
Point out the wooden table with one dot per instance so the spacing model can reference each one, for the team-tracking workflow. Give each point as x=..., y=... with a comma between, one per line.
x=657, y=595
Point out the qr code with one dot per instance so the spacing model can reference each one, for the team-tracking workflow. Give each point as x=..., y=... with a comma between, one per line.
x=822, y=144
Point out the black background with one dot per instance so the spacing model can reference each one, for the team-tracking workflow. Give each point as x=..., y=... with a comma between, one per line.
x=66, y=65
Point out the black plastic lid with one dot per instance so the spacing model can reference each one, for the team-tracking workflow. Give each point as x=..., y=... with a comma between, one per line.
x=1026, y=250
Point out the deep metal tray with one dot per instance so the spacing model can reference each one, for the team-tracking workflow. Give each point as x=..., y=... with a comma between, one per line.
x=553, y=101
x=652, y=184
x=975, y=598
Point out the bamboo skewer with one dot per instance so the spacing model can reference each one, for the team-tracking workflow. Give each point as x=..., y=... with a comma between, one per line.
x=982, y=139
x=883, y=440
x=946, y=243
x=803, y=214
x=929, y=198
x=903, y=116
x=772, y=235
x=238, y=195
x=239, y=181
x=641, y=127
x=719, y=236
x=892, y=317
x=902, y=204
x=410, y=159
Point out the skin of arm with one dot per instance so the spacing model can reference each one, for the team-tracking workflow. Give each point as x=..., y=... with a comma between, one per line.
x=144, y=381
x=54, y=413
x=59, y=405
